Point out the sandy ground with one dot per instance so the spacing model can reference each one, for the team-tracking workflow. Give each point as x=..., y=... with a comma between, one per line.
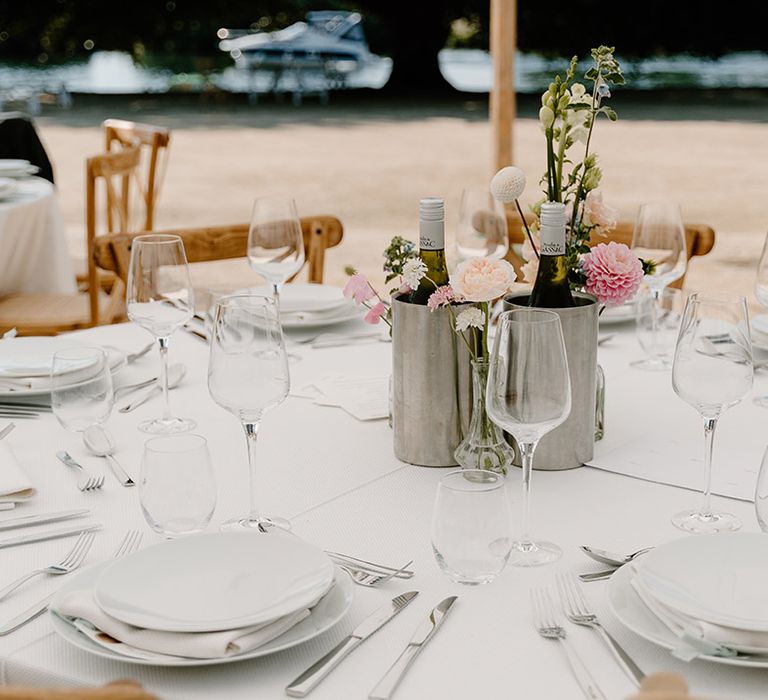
x=369, y=164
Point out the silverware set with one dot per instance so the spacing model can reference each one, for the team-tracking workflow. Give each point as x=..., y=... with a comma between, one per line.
x=611, y=559
x=366, y=573
x=22, y=410
x=176, y=374
x=86, y=481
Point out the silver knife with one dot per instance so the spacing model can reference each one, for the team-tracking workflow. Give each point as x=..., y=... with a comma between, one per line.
x=27, y=520
x=322, y=667
x=424, y=632
x=48, y=535
x=27, y=616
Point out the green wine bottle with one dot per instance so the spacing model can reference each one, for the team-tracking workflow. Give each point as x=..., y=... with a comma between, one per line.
x=431, y=248
x=551, y=289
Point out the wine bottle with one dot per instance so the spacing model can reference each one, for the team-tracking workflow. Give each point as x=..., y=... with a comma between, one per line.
x=431, y=248
x=551, y=289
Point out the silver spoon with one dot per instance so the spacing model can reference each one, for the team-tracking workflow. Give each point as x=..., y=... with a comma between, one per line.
x=610, y=558
x=128, y=388
x=100, y=442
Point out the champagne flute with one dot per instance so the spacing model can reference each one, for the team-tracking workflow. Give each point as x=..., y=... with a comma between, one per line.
x=160, y=300
x=712, y=371
x=761, y=293
x=659, y=236
x=528, y=395
x=482, y=228
x=247, y=376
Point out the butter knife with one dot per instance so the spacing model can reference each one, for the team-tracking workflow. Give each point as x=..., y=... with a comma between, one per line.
x=308, y=680
x=27, y=616
x=48, y=535
x=424, y=632
x=27, y=520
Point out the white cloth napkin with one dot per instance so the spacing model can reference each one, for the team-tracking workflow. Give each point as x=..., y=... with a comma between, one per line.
x=78, y=606
x=698, y=636
x=14, y=484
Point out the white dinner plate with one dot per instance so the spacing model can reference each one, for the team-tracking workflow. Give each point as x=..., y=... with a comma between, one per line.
x=32, y=356
x=8, y=187
x=722, y=578
x=760, y=331
x=618, y=314
x=13, y=164
x=328, y=612
x=635, y=616
x=304, y=305
x=216, y=581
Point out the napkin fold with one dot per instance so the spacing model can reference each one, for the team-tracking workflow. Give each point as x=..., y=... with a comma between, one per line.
x=14, y=484
x=80, y=609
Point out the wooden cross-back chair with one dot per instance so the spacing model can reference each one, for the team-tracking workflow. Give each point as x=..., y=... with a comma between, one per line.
x=153, y=142
x=699, y=238
x=102, y=299
x=113, y=252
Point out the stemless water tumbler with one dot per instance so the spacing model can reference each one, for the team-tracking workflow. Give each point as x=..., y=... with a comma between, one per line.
x=471, y=537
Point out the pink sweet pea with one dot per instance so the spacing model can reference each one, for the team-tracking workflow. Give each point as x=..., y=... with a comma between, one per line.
x=358, y=289
x=442, y=296
x=376, y=312
x=613, y=272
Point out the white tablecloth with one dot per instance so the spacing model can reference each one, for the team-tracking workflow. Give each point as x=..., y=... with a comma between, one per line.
x=340, y=484
x=33, y=248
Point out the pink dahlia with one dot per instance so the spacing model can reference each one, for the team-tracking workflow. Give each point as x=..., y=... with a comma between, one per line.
x=613, y=272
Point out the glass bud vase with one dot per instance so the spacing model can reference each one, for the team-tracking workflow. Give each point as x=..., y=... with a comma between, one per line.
x=484, y=446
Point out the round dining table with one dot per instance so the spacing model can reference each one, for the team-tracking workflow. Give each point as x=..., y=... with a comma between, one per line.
x=33, y=247
x=338, y=482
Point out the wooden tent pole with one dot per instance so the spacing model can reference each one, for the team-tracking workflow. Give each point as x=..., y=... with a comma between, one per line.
x=502, y=98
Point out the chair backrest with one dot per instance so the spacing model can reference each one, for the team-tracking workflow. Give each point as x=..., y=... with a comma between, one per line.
x=119, y=690
x=154, y=142
x=113, y=253
x=107, y=167
x=700, y=238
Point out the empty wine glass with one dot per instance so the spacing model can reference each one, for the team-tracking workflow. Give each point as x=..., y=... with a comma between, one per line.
x=247, y=376
x=712, y=371
x=81, y=388
x=160, y=299
x=659, y=237
x=176, y=490
x=657, y=324
x=528, y=395
x=760, y=323
x=482, y=228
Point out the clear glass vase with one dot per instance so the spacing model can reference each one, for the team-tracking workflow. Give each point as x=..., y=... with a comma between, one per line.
x=484, y=446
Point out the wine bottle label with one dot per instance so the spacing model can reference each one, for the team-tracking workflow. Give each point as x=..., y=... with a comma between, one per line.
x=552, y=228
x=431, y=235
x=552, y=244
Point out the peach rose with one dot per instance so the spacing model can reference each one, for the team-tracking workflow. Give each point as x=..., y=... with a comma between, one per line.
x=599, y=213
x=483, y=279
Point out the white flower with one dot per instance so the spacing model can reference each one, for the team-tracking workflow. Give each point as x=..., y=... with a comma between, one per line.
x=546, y=117
x=577, y=90
x=473, y=317
x=413, y=272
x=579, y=133
x=508, y=184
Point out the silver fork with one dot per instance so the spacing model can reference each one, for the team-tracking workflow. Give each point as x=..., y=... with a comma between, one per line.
x=366, y=578
x=547, y=626
x=577, y=611
x=68, y=564
x=85, y=482
x=129, y=544
x=369, y=566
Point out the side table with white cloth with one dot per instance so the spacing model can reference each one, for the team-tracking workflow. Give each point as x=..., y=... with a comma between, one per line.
x=337, y=480
x=33, y=249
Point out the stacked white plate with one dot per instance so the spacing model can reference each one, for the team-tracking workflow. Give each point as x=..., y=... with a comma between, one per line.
x=205, y=599
x=8, y=187
x=760, y=331
x=16, y=168
x=25, y=364
x=619, y=314
x=701, y=597
x=313, y=305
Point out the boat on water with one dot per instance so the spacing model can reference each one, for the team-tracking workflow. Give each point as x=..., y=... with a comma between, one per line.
x=314, y=56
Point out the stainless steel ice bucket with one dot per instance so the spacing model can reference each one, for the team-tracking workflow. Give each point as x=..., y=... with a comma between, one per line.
x=572, y=443
x=431, y=385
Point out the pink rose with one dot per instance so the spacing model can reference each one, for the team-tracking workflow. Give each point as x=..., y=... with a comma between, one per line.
x=613, y=272
x=598, y=213
x=358, y=289
x=375, y=313
x=483, y=279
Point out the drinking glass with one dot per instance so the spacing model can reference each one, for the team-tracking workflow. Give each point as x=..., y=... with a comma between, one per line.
x=760, y=332
x=482, y=228
x=247, y=376
x=761, y=494
x=528, y=395
x=470, y=526
x=81, y=388
x=176, y=490
x=659, y=236
x=160, y=300
x=657, y=324
x=275, y=241
x=712, y=371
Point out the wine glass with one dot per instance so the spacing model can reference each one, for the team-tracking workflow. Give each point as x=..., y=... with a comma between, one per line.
x=659, y=236
x=160, y=299
x=482, y=228
x=81, y=388
x=761, y=293
x=248, y=375
x=275, y=241
x=712, y=371
x=528, y=395
x=657, y=325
